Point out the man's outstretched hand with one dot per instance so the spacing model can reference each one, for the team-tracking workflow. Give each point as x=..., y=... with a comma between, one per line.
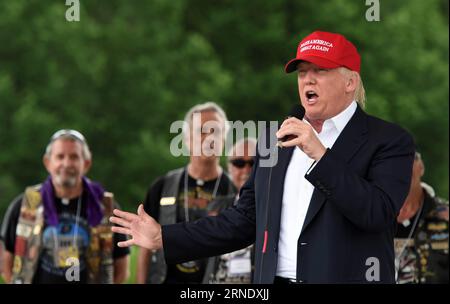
x=143, y=229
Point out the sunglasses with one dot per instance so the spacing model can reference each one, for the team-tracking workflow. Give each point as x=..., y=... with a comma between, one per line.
x=68, y=133
x=240, y=162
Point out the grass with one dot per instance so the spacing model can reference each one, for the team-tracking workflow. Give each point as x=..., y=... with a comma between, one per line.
x=133, y=261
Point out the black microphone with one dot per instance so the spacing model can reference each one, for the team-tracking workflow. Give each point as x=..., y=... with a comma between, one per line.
x=298, y=111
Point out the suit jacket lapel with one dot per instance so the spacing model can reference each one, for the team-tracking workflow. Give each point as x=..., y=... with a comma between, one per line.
x=347, y=144
x=276, y=190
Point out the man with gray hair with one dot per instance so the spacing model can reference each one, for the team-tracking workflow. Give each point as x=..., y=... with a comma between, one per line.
x=58, y=231
x=184, y=194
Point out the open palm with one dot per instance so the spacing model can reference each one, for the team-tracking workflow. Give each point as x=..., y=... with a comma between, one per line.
x=143, y=229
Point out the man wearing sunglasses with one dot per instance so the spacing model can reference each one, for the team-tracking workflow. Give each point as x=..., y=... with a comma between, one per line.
x=235, y=267
x=240, y=164
x=57, y=232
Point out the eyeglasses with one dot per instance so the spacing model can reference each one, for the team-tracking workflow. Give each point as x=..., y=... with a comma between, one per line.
x=240, y=162
x=68, y=133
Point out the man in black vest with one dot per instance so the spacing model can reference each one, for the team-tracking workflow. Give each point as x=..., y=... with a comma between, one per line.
x=184, y=194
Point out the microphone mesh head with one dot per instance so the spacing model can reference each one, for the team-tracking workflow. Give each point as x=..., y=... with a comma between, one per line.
x=298, y=111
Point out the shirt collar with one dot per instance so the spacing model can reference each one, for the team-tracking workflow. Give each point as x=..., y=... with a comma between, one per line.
x=340, y=121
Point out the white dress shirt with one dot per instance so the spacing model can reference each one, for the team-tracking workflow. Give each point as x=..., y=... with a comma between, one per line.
x=298, y=191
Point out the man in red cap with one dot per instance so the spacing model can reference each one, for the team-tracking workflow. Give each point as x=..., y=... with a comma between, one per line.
x=326, y=211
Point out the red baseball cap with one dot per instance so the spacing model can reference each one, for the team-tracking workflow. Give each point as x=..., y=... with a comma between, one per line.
x=326, y=50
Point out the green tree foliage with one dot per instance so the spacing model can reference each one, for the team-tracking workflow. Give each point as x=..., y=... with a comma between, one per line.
x=128, y=69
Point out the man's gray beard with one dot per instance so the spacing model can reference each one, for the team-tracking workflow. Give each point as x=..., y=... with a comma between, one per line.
x=67, y=183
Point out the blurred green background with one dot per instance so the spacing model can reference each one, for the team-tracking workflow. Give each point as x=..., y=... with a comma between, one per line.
x=128, y=69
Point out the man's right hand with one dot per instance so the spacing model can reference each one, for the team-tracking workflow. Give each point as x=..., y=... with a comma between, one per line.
x=143, y=229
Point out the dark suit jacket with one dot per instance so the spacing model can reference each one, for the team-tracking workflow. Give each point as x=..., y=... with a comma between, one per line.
x=347, y=237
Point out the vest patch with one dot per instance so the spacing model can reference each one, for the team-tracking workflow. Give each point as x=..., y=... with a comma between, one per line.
x=165, y=201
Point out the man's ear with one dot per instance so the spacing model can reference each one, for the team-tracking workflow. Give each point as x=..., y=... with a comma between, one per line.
x=46, y=162
x=187, y=141
x=87, y=165
x=421, y=168
x=352, y=82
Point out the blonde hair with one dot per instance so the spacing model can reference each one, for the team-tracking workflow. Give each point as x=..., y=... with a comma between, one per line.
x=360, y=92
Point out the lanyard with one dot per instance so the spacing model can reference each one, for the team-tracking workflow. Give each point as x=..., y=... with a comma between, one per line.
x=75, y=233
